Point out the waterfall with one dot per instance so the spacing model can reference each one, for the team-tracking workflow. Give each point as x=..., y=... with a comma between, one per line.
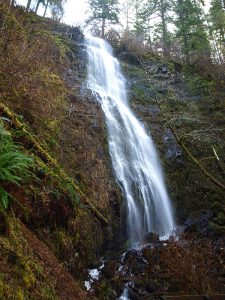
x=134, y=158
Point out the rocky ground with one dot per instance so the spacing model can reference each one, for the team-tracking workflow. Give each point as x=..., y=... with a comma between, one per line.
x=190, y=263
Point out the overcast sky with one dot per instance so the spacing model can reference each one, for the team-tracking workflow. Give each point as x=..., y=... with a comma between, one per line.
x=76, y=10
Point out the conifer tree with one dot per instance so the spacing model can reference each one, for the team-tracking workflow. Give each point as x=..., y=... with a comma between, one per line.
x=191, y=30
x=144, y=12
x=104, y=10
x=163, y=7
x=217, y=28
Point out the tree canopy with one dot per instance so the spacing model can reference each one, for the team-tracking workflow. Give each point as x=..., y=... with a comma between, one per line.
x=103, y=11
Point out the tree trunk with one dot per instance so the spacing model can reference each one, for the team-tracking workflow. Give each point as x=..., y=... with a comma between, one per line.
x=165, y=46
x=103, y=28
x=46, y=7
x=127, y=14
x=28, y=5
x=184, y=36
x=37, y=6
x=186, y=50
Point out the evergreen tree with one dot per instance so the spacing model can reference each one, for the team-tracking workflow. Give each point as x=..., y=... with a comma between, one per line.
x=38, y=4
x=28, y=5
x=191, y=30
x=164, y=6
x=57, y=9
x=138, y=20
x=146, y=12
x=127, y=12
x=104, y=10
x=217, y=28
x=160, y=10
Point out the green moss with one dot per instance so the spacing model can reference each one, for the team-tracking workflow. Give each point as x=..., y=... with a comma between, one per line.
x=48, y=294
x=22, y=274
x=196, y=83
x=104, y=291
x=62, y=44
x=221, y=218
x=220, y=230
x=20, y=294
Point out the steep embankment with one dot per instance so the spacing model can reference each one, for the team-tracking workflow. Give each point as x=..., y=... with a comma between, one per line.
x=62, y=208
x=175, y=102
x=184, y=112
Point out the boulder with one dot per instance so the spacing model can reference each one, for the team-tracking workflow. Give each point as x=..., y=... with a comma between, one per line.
x=152, y=238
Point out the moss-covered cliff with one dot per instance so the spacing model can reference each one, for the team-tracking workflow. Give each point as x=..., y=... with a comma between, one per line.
x=59, y=203
x=183, y=111
x=59, y=217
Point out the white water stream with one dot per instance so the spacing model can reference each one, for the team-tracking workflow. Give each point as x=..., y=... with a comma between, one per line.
x=134, y=158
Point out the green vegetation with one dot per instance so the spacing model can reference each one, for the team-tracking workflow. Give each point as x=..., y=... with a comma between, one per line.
x=14, y=165
x=22, y=274
x=104, y=10
x=35, y=188
x=57, y=194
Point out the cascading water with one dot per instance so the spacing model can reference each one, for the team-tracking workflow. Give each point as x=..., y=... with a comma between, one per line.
x=133, y=154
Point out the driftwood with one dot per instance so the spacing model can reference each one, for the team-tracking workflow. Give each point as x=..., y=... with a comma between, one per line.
x=46, y=158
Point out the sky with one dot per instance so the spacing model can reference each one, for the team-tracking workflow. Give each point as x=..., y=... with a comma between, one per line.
x=76, y=10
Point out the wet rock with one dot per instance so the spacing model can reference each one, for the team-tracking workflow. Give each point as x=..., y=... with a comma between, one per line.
x=151, y=237
x=132, y=295
x=173, y=150
x=198, y=224
x=191, y=228
x=134, y=262
x=110, y=268
x=141, y=285
x=178, y=67
x=162, y=90
x=164, y=69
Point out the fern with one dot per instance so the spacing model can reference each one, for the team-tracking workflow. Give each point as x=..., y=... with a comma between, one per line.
x=14, y=165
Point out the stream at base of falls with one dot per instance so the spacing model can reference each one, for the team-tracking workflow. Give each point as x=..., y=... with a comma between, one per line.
x=126, y=277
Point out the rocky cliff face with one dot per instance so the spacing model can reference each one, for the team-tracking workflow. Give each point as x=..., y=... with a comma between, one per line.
x=168, y=99
x=53, y=229
x=68, y=212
